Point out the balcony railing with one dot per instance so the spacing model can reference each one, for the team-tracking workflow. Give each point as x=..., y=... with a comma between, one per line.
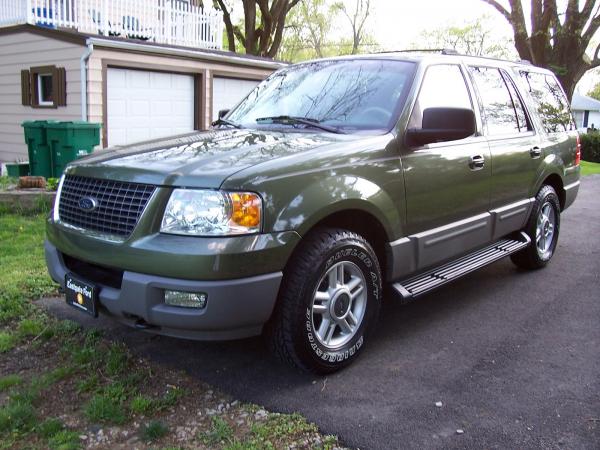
x=176, y=22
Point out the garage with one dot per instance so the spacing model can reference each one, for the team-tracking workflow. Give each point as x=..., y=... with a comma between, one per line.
x=228, y=92
x=143, y=104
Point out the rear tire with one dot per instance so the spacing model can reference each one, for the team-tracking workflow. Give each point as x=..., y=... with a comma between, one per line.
x=329, y=300
x=542, y=227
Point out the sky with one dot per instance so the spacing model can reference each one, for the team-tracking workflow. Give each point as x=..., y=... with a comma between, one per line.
x=397, y=23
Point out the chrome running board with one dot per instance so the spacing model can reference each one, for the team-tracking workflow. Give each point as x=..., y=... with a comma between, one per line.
x=418, y=285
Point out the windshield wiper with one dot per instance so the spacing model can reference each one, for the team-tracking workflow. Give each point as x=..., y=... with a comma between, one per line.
x=221, y=121
x=290, y=120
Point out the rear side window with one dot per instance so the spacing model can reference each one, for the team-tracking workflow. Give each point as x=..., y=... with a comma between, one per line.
x=551, y=103
x=502, y=108
x=443, y=86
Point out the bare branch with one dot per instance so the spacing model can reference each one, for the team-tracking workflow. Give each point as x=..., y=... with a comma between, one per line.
x=500, y=8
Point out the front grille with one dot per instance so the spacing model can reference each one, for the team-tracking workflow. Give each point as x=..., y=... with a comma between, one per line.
x=119, y=204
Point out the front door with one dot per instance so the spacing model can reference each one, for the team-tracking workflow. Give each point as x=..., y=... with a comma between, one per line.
x=447, y=184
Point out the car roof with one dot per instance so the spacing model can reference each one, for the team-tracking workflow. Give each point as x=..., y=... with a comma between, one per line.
x=436, y=56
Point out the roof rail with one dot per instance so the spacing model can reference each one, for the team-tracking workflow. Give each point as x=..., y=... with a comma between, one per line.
x=443, y=51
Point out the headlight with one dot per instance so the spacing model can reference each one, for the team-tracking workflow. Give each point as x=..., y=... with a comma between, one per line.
x=211, y=213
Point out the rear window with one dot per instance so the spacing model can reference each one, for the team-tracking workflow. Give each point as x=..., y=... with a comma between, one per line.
x=551, y=103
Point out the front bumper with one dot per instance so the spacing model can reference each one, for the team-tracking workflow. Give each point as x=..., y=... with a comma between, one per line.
x=236, y=308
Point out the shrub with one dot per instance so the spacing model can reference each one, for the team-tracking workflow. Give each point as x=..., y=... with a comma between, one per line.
x=590, y=146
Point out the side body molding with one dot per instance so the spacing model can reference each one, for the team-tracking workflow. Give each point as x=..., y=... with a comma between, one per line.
x=422, y=250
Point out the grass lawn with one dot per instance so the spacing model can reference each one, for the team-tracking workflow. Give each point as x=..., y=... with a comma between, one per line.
x=62, y=387
x=589, y=168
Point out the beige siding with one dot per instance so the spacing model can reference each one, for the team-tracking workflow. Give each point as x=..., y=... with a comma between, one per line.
x=21, y=51
x=137, y=60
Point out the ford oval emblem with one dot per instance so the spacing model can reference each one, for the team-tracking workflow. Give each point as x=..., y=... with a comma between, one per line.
x=88, y=204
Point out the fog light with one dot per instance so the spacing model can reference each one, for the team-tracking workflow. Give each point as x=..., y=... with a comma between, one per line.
x=186, y=299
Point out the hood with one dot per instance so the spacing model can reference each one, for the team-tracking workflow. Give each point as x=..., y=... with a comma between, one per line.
x=199, y=159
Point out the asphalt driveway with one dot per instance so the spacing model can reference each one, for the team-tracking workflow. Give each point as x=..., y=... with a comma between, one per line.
x=513, y=356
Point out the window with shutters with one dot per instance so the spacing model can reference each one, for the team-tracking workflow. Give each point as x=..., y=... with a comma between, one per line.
x=44, y=87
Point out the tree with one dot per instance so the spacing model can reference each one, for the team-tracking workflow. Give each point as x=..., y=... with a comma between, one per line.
x=264, y=21
x=555, y=40
x=595, y=92
x=307, y=30
x=357, y=18
x=473, y=38
x=309, y=33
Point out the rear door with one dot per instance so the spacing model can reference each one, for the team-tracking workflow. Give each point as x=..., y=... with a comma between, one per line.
x=516, y=154
x=447, y=194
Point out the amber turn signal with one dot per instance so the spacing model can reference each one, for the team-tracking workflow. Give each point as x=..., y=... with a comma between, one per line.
x=246, y=208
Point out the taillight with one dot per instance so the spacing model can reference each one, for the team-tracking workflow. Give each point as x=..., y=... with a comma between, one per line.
x=578, y=152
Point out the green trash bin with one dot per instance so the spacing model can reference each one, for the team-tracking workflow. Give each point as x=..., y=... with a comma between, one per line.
x=40, y=158
x=69, y=141
x=17, y=170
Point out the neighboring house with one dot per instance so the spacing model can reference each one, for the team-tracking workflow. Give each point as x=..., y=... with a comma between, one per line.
x=586, y=111
x=152, y=69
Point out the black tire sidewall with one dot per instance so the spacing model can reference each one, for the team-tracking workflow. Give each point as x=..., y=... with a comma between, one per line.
x=307, y=345
x=547, y=194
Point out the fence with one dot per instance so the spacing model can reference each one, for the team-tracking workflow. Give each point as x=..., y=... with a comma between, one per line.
x=174, y=22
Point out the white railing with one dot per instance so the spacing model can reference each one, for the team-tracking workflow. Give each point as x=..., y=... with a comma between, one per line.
x=174, y=22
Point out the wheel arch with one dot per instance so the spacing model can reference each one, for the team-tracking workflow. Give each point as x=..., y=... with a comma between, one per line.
x=557, y=184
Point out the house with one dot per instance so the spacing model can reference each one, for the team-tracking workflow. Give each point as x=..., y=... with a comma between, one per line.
x=586, y=111
x=143, y=68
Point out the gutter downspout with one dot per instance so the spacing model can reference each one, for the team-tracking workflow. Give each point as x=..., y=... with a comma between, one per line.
x=83, y=68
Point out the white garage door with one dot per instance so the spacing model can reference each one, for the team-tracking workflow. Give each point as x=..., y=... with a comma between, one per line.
x=146, y=105
x=228, y=92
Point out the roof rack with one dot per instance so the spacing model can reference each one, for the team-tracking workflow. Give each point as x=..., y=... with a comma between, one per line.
x=451, y=51
x=443, y=51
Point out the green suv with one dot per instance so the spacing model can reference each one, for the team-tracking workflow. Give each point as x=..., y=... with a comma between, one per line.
x=332, y=182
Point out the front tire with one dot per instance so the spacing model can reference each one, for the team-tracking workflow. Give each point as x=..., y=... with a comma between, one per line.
x=542, y=227
x=329, y=300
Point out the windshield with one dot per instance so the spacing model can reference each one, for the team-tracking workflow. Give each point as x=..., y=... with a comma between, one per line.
x=350, y=95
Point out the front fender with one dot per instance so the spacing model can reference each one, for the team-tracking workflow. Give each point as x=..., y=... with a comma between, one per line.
x=334, y=194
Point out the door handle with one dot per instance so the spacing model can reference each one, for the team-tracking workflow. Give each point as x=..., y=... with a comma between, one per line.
x=535, y=152
x=476, y=162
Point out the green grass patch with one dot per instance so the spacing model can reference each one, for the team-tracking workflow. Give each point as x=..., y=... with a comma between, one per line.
x=64, y=440
x=17, y=416
x=9, y=381
x=589, y=168
x=141, y=404
x=49, y=427
x=88, y=384
x=7, y=341
x=31, y=327
x=220, y=433
x=153, y=431
x=116, y=360
x=6, y=182
x=103, y=408
x=24, y=274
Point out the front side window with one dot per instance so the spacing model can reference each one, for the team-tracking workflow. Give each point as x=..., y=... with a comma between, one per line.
x=503, y=112
x=443, y=87
x=551, y=103
x=348, y=95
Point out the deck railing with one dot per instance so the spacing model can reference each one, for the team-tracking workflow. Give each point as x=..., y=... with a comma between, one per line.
x=176, y=22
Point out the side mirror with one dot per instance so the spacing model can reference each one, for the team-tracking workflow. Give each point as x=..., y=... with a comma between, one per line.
x=223, y=113
x=442, y=125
